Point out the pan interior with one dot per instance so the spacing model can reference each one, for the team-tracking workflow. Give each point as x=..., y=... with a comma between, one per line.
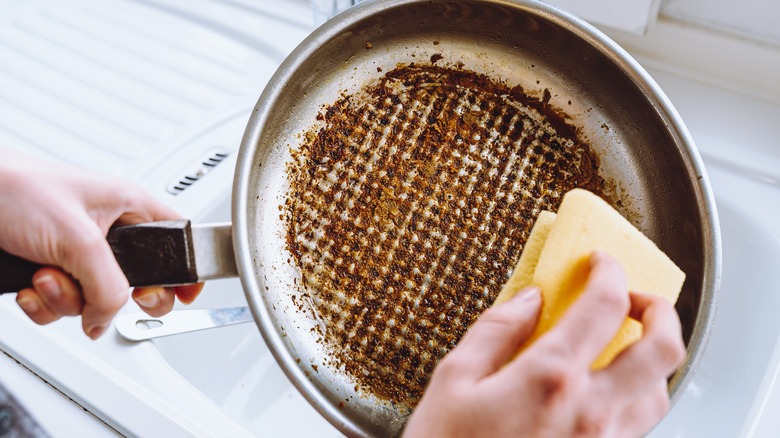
x=410, y=204
x=650, y=175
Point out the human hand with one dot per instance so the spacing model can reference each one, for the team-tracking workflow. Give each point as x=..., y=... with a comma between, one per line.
x=57, y=215
x=550, y=390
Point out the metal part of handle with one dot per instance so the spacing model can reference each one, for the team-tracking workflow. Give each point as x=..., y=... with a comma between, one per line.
x=213, y=248
x=153, y=254
x=140, y=326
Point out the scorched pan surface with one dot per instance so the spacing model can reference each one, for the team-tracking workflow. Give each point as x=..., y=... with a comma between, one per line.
x=648, y=164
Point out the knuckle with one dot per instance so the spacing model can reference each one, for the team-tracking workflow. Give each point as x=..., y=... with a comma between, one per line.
x=671, y=349
x=34, y=307
x=614, y=301
x=108, y=303
x=81, y=240
x=665, y=309
x=139, y=204
x=101, y=311
x=555, y=379
x=447, y=382
x=609, y=265
x=73, y=310
x=594, y=421
x=447, y=367
x=69, y=304
x=130, y=196
x=669, y=346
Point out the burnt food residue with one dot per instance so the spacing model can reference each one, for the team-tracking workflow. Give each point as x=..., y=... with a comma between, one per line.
x=410, y=203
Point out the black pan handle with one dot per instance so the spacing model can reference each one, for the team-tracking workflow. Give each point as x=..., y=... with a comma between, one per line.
x=15, y=273
x=153, y=254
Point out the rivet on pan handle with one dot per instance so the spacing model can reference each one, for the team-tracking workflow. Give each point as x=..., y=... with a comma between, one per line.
x=152, y=254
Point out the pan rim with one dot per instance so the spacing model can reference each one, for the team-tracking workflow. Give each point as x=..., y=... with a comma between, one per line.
x=273, y=92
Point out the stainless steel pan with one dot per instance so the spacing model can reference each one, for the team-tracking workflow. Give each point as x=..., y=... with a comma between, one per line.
x=643, y=146
x=642, y=143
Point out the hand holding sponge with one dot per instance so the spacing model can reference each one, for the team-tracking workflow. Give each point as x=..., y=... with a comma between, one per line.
x=555, y=258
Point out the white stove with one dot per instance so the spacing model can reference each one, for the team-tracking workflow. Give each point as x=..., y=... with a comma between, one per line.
x=157, y=90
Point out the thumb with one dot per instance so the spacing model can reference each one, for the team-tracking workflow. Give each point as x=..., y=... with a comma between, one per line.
x=142, y=207
x=498, y=333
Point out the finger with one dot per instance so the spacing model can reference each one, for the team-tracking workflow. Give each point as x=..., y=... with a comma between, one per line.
x=34, y=307
x=142, y=207
x=187, y=294
x=594, y=318
x=155, y=301
x=58, y=291
x=654, y=356
x=644, y=413
x=90, y=260
x=497, y=335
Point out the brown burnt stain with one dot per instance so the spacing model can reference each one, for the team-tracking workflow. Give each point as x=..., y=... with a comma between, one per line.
x=410, y=203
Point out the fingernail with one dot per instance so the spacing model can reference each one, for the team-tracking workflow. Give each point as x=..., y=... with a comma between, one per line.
x=47, y=285
x=95, y=332
x=529, y=294
x=28, y=304
x=149, y=301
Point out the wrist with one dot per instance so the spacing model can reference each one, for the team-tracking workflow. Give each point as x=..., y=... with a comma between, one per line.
x=8, y=157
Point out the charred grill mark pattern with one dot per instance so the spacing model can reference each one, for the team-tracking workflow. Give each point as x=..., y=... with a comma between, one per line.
x=409, y=206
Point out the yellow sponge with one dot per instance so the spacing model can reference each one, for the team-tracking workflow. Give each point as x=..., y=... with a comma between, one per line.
x=523, y=274
x=559, y=248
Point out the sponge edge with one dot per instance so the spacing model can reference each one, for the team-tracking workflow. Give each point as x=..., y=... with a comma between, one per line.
x=586, y=223
x=523, y=273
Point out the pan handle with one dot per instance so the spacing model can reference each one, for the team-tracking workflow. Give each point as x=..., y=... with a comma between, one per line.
x=15, y=273
x=152, y=254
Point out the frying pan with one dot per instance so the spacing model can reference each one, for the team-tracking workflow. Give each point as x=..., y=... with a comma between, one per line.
x=643, y=147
